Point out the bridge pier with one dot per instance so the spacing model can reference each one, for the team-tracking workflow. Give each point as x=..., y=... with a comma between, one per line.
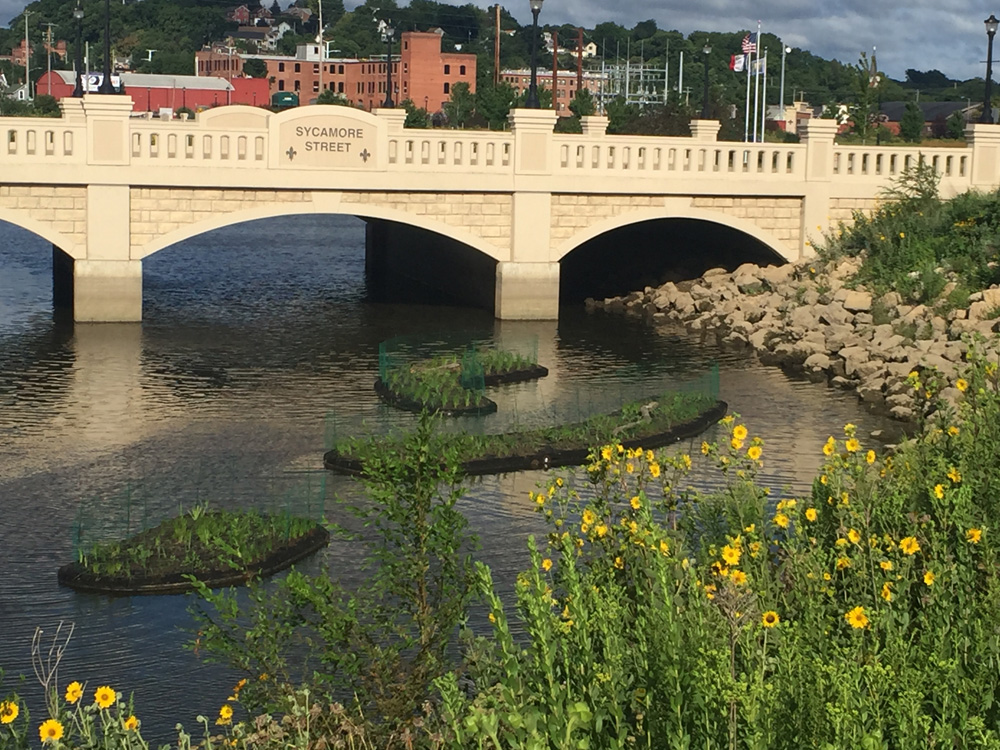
x=527, y=291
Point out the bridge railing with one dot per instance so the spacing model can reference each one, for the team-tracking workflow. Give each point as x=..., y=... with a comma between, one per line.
x=42, y=139
x=169, y=143
x=455, y=150
x=654, y=154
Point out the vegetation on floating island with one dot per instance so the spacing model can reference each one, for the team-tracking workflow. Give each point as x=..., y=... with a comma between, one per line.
x=638, y=420
x=453, y=383
x=204, y=544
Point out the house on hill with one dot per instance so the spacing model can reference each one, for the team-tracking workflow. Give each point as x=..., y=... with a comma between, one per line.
x=935, y=114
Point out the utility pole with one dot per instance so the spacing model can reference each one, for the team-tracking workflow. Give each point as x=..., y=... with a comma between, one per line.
x=322, y=47
x=27, y=56
x=48, y=56
x=579, y=60
x=555, y=70
x=496, y=48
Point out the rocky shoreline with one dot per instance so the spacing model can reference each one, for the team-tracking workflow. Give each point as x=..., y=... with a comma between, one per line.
x=805, y=318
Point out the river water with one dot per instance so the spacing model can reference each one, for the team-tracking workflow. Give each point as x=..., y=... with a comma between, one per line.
x=258, y=346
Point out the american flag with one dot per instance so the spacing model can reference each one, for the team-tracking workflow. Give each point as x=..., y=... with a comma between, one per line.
x=750, y=43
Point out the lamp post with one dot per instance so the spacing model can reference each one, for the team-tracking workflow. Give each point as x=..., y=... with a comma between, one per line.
x=78, y=15
x=389, y=31
x=106, y=87
x=991, y=30
x=784, y=51
x=532, y=101
x=706, y=50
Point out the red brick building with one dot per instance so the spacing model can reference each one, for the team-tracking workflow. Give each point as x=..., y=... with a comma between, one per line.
x=150, y=92
x=17, y=53
x=420, y=72
x=565, y=88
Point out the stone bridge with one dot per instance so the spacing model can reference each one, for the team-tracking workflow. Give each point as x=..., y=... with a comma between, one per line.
x=502, y=209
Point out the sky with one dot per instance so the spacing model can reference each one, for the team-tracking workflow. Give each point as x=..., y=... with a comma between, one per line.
x=947, y=35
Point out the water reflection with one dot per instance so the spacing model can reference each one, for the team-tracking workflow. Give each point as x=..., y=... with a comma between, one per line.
x=258, y=346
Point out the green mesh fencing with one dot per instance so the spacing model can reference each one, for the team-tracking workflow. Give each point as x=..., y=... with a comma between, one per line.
x=146, y=503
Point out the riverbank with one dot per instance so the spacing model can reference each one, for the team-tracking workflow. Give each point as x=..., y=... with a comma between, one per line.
x=809, y=318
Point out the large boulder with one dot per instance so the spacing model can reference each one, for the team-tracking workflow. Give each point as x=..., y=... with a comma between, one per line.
x=857, y=302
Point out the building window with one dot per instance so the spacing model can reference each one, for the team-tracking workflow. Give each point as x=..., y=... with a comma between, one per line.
x=298, y=68
x=406, y=45
x=281, y=85
x=447, y=88
x=406, y=67
x=340, y=87
x=461, y=70
x=447, y=70
x=315, y=86
x=340, y=69
x=315, y=67
x=298, y=85
x=281, y=67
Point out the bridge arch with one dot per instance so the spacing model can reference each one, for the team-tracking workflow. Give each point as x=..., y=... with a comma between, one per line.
x=65, y=242
x=360, y=210
x=782, y=249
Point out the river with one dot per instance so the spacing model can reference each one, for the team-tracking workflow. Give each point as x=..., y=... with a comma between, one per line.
x=258, y=345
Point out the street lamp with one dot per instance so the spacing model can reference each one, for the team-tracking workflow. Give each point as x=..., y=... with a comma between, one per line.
x=991, y=30
x=707, y=50
x=78, y=15
x=389, y=31
x=532, y=101
x=784, y=51
x=106, y=87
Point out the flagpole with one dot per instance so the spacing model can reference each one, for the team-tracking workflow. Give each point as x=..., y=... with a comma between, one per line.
x=746, y=119
x=763, y=101
x=756, y=85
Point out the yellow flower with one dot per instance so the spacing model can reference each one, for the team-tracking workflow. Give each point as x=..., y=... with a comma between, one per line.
x=493, y=617
x=664, y=547
x=739, y=577
x=770, y=618
x=852, y=445
x=225, y=715
x=559, y=482
x=929, y=577
x=8, y=712
x=781, y=520
x=954, y=475
x=857, y=618
x=50, y=731
x=870, y=457
x=619, y=563
x=961, y=384
x=709, y=591
x=850, y=428
x=74, y=691
x=845, y=498
x=754, y=549
x=902, y=235
x=705, y=448
x=104, y=697
x=953, y=431
x=539, y=498
x=843, y=562
x=731, y=555
x=823, y=479
x=736, y=443
x=131, y=723
x=811, y=514
x=601, y=530
x=829, y=447
x=740, y=432
x=686, y=460
x=854, y=536
x=974, y=535
x=589, y=517
x=887, y=591
x=546, y=564
x=909, y=545
x=939, y=491
x=827, y=576
x=754, y=452
x=886, y=565
x=635, y=502
x=606, y=452
x=654, y=469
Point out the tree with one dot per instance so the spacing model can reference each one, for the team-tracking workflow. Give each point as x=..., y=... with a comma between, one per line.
x=255, y=68
x=955, y=127
x=328, y=96
x=621, y=115
x=275, y=9
x=460, y=106
x=583, y=103
x=911, y=124
x=416, y=117
x=493, y=104
x=865, y=81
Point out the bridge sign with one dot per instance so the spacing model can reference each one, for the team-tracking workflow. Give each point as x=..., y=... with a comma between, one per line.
x=331, y=139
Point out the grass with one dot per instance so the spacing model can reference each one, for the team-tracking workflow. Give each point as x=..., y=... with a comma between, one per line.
x=196, y=543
